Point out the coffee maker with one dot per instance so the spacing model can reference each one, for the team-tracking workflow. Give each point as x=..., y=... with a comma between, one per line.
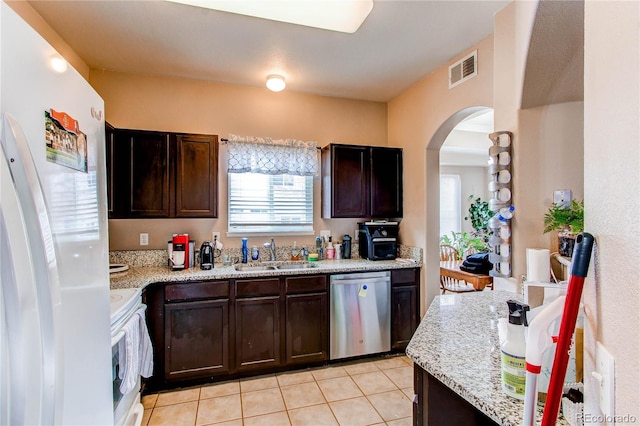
x=206, y=255
x=179, y=256
x=378, y=240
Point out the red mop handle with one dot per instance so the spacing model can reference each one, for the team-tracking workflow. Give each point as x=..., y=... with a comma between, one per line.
x=579, y=269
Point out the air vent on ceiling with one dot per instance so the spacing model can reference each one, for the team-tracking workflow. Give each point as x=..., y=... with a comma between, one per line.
x=464, y=69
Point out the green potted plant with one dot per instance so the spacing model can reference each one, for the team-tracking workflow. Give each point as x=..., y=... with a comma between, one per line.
x=464, y=242
x=478, y=239
x=479, y=215
x=568, y=221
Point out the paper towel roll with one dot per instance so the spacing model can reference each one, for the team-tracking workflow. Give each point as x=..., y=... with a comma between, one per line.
x=538, y=264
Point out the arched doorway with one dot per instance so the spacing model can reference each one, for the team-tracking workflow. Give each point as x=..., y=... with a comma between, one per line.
x=432, y=197
x=464, y=173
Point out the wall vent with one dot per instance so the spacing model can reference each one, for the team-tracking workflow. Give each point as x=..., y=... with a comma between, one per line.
x=464, y=69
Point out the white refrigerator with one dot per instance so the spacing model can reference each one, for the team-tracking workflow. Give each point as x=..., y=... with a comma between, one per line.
x=55, y=337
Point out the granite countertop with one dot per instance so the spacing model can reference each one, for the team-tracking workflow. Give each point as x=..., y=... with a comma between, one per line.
x=141, y=276
x=457, y=343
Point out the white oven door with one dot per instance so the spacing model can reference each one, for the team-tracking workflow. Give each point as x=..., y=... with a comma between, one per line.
x=127, y=409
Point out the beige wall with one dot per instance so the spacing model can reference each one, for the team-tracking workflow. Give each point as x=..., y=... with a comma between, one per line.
x=179, y=105
x=547, y=155
x=419, y=121
x=612, y=200
x=27, y=13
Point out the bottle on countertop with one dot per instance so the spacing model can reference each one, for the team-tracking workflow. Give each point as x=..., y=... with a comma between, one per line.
x=255, y=253
x=319, y=248
x=346, y=247
x=295, y=252
x=331, y=251
x=304, y=253
x=245, y=250
x=513, y=351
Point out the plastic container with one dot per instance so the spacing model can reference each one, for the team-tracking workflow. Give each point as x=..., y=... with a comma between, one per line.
x=573, y=411
x=295, y=252
x=513, y=350
x=506, y=213
x=331, y=251
x=255, y=253
x=313, y=257
x=245, y=250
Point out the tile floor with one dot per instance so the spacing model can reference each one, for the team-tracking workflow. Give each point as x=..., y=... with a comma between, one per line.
x=375, y=391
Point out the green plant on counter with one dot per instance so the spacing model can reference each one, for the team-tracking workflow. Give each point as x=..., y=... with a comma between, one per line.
x=465, y=242
x=568, y=219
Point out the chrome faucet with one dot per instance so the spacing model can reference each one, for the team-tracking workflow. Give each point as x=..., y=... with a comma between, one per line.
x=272, y=249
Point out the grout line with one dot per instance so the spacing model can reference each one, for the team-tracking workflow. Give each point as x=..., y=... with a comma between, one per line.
x=316, y=381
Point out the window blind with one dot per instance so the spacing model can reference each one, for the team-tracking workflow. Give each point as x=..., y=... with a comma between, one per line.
x=270, y=203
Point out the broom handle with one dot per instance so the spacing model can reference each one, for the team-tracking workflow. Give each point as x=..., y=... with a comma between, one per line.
x=579, y=269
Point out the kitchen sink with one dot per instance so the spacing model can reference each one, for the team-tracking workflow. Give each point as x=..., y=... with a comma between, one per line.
x=296, y=266
x=272, y=266
x=255, y=268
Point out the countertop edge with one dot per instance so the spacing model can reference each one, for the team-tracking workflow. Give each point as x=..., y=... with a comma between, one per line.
x=141, y=276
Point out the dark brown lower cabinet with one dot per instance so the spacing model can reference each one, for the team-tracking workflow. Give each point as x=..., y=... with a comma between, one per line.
x=404, y=306
x=438, y=405
x=306, y=327
x=197, y=339
x=215, y=330
x=257, y=333
x=404, y=318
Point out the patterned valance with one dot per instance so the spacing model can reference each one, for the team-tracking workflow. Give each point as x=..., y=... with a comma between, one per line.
x=248, y=154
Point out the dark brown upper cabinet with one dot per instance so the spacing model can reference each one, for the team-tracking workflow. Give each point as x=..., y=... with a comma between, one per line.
x=196, y=176
x=161, y=175
x=361, y=182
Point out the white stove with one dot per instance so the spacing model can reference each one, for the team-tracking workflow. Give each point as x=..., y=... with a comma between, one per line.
x=124, y=302
x=127, y=409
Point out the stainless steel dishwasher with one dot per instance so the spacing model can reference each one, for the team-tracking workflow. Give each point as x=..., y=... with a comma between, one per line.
x=360, y=314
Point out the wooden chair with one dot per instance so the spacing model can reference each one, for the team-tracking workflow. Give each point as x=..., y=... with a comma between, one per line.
x=448, y=253
x=454, y=286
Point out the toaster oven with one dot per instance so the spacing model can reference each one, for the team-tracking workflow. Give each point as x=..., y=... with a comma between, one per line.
x=378, y=240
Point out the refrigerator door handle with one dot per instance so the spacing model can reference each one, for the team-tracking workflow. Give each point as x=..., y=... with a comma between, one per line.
x=39, y=241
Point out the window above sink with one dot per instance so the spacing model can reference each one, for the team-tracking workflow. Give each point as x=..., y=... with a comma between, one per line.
x=270, y=204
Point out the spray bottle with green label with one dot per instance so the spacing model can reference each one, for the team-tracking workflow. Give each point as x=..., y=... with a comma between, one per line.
x=513, y=351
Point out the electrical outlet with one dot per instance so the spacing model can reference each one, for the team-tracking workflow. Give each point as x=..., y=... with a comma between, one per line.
x=356, y=235
x=562, y=197
x=325, y=233
x=215, y=235
x=144, y=239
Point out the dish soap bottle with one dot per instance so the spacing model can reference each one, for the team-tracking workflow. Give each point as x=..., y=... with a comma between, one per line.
x=331, y=251
x=295, y=252
x=513, y=350
x=245, y=250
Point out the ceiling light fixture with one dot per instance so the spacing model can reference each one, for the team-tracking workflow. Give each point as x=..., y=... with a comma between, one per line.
x=336, y=15
x=275, y=83
x=58, y=64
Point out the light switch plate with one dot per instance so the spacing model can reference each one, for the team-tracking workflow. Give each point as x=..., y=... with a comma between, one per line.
x=144, y=239
x=605, y=369
x=562, y=197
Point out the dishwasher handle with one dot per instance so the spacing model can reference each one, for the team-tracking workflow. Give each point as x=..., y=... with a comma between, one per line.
x=369, y=278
